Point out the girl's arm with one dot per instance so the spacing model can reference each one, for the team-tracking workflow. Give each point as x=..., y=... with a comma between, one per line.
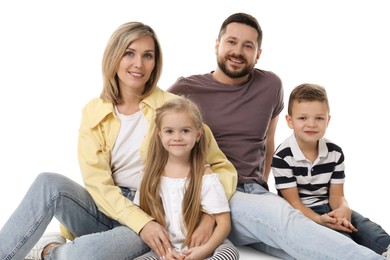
x=220, y=233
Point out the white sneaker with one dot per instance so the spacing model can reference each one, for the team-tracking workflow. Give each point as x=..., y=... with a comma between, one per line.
x=387, y=253
x=47, y=238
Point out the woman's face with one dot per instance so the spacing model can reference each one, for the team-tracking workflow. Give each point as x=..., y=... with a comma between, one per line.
x=137, y=65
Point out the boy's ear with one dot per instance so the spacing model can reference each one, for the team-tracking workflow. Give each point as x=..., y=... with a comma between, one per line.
x=328, y=120
x=289, y=121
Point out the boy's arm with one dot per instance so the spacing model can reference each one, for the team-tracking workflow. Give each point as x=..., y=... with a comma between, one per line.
x=292, y=196
x=328, y=220
x=338, y=203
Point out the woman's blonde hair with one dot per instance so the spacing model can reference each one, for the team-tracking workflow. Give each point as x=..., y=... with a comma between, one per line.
x=157, y=157
x=115, y=50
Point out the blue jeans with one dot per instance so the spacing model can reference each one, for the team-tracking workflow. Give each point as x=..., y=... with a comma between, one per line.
x=53, y=195
x=369, y=233
x=267, y=222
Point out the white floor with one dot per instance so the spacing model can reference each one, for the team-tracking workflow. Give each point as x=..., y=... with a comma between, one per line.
x=247, y=253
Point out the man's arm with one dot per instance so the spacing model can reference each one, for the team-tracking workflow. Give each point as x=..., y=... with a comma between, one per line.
x=270, y=147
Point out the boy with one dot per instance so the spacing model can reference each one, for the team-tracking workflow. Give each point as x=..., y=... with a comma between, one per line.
x=309, y=171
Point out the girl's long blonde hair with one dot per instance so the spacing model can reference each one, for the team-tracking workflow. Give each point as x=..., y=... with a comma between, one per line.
x=157, y=158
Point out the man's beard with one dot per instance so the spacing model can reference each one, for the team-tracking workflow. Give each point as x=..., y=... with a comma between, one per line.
x=233, y=74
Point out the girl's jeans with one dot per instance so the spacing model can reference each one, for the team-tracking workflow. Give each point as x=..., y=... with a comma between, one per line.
x=369, y=233
x=53, y=195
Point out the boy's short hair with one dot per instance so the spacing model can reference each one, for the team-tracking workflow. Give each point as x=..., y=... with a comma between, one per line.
x=307, y=92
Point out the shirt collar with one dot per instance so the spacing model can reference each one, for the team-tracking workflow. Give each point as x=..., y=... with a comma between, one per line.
x=297, y=152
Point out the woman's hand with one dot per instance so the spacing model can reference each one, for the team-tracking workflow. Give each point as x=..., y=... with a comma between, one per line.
x=156, y=237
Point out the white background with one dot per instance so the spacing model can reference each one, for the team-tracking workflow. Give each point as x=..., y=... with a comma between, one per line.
x=50, y=57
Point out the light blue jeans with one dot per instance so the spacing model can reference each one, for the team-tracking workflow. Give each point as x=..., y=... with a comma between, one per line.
x=53, y=195
x=267, y=222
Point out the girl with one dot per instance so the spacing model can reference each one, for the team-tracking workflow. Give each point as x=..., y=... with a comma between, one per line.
x=178, y=184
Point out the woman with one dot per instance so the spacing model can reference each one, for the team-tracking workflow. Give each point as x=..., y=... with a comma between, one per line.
x=113, y=138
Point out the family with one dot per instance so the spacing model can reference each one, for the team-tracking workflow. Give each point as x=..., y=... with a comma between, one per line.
x=182, y=173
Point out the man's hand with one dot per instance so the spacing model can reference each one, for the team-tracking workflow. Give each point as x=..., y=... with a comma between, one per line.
x=156, y=237
x=203, y=232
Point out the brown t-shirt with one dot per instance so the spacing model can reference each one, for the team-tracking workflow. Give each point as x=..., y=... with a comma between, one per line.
x=238, y=115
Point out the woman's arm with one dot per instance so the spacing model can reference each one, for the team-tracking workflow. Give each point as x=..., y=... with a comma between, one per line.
x=221, y=165
x=95, y=142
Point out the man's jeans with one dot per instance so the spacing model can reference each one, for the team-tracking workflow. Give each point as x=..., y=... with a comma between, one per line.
x=267, y=222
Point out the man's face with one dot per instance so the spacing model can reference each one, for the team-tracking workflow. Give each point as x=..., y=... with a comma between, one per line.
x=237, y=50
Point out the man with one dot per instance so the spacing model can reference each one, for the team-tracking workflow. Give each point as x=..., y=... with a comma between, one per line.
x=241, y=105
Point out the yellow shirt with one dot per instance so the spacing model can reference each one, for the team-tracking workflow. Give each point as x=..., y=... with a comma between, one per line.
x=97, y=134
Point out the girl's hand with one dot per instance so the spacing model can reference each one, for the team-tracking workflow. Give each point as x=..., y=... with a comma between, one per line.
x=195, y=253
x=173, y=255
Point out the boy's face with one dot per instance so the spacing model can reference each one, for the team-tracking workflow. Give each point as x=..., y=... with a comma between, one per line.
x=309, y=120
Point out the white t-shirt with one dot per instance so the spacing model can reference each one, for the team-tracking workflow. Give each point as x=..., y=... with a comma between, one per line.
x=213, y=201
x=126, y=162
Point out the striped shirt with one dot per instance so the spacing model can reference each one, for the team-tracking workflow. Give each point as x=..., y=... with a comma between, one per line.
x=291, y=169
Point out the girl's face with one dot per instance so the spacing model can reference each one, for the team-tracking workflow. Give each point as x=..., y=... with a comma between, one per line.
x=137, y=65
x=178, y=134
x=309, y=120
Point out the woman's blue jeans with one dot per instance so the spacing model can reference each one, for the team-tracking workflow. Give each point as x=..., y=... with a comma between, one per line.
x=54, y=195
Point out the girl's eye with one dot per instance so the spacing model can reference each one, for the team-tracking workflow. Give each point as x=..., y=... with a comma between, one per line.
x=168, y=131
